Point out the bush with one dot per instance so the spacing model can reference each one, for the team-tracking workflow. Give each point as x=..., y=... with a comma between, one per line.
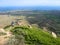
x=34, y=36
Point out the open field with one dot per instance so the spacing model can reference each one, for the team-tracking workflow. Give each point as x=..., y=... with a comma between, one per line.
x=6, y=20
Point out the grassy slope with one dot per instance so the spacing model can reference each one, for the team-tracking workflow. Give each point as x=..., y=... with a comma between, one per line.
x=34, y=36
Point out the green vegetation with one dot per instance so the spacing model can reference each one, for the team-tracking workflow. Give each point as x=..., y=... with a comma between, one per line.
x=48, y=19
x=34, y=36
x=43, y=18
x=24, y=35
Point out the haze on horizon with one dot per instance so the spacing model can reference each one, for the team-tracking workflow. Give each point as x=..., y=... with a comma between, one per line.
x=4, y=3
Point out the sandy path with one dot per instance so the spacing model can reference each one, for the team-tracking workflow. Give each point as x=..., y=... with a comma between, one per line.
x=4, y=38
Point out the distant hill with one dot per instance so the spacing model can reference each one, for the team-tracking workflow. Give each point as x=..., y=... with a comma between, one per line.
x=10, y=8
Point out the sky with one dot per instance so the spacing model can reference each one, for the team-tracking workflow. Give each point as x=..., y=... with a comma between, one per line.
x=29, y=3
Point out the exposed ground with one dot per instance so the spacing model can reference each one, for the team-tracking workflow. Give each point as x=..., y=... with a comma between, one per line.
x=6, y=20
x=4, y=38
